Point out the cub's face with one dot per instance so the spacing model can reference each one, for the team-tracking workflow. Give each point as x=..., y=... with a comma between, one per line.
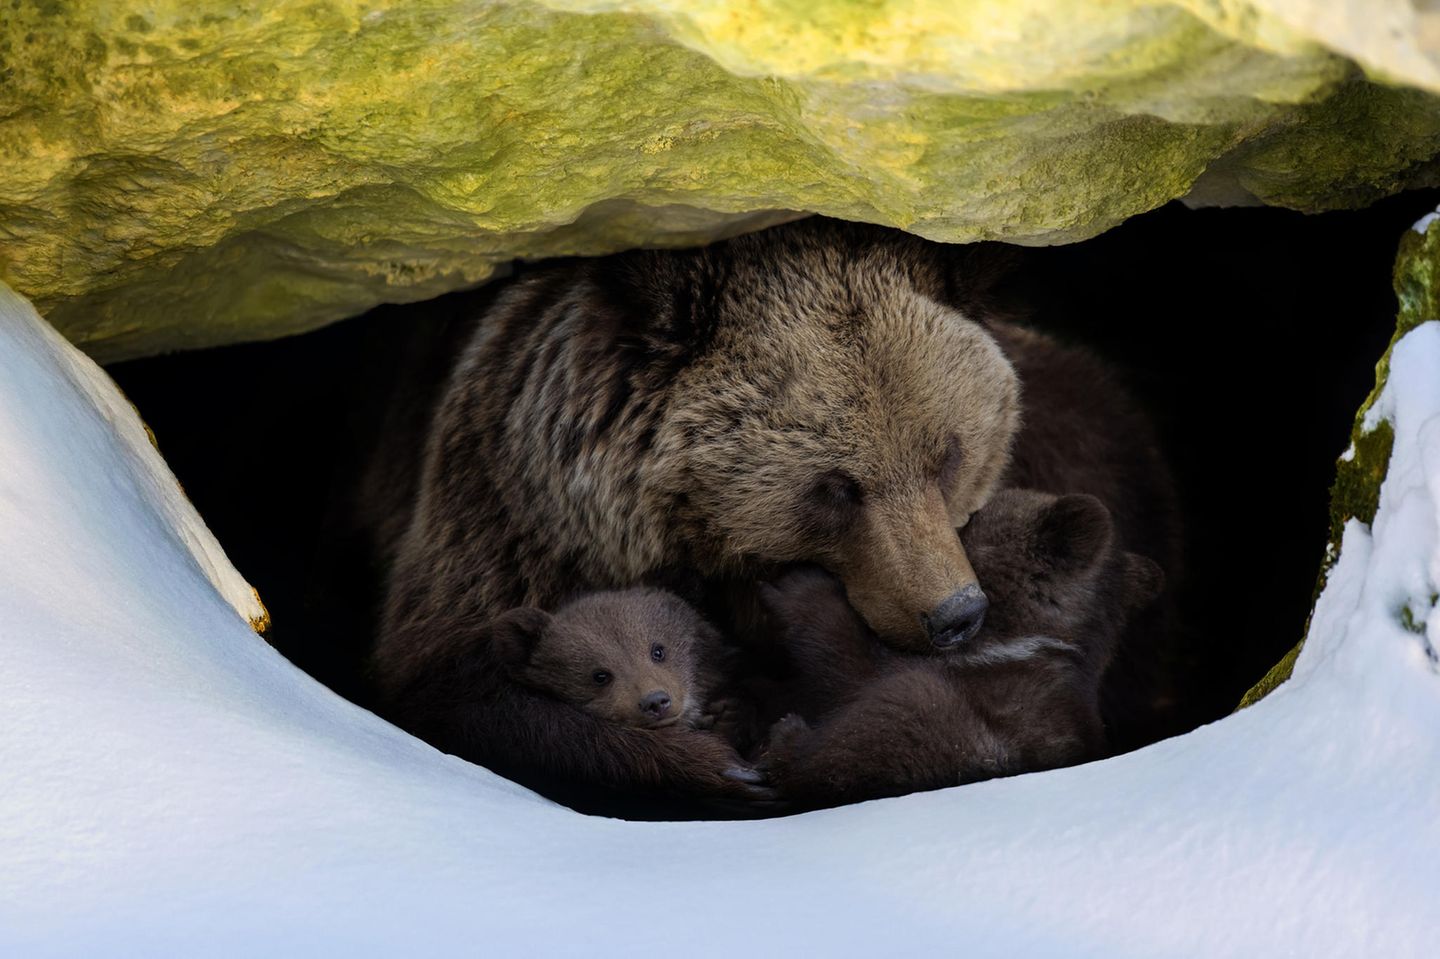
x=1052, y=569
x=840, y=417
x=629, y=657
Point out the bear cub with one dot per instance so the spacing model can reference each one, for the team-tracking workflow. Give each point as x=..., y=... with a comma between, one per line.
x=638, y=657
x=1023, y=695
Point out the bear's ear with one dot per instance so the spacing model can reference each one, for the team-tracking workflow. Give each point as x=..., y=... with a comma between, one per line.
x=1144, y=580
x=977, y=278
x=515, y=634
x=1072, y=533
x=657, y=306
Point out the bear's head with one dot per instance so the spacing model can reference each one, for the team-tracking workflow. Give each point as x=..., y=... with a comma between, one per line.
x=826, y=407
x=1052, y=569
x=628, y=656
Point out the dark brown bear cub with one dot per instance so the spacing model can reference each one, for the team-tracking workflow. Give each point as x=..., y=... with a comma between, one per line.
x=638, y=657
x=1024, y=695
x=1082, y=432
x=530, y=670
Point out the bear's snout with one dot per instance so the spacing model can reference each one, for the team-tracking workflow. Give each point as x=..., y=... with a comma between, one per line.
x=903, y=569
x=958, y=618
x=656, y=704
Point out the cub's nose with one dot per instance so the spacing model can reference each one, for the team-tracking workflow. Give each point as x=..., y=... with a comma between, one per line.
x=656, y=705
x=958, y=618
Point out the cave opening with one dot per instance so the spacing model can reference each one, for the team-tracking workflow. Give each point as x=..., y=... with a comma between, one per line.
x=1250, y=335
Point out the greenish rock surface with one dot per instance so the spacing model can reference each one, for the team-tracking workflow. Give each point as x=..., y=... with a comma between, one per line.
x=1359, y=474
x=180, y=174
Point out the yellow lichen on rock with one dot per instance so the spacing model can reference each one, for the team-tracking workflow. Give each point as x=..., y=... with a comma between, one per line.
x=178, y=174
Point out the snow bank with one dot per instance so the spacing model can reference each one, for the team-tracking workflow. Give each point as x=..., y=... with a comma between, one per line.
x=169, y=784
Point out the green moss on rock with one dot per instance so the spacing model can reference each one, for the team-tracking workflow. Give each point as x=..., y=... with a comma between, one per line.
x=178, y=174
x=1278, y=674
x=1356, y=491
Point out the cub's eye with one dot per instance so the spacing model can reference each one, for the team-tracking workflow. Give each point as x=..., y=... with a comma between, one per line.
x=601, y=677
x=657, y=653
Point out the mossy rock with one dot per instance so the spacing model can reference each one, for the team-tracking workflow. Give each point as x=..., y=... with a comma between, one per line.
x=1361, y=471
x=179, y=174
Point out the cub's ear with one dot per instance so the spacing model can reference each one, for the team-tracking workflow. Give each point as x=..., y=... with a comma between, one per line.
x=1144, y=580
x=514, y=634
x=1072, y=533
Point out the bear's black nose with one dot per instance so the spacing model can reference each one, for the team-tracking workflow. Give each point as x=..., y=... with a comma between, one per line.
x=958, y=618
x=656, y=704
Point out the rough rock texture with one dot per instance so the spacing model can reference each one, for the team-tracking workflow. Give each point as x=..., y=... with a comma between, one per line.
x=179, y=174
x=1361, y=471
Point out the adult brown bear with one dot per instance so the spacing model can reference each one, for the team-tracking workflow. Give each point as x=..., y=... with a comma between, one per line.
x=823, y=392
x=800, y=394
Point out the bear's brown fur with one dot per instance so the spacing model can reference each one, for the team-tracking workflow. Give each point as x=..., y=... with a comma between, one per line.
x=799, y=394
x=1023, y=696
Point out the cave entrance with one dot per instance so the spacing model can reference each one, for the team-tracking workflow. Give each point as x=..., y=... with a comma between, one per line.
x=1251, y=336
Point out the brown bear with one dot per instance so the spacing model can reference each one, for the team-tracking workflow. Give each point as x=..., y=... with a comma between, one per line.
x=800, y=394
x=511, y=675
x=1083, y=433
x=637, y=657
x=1023, y=695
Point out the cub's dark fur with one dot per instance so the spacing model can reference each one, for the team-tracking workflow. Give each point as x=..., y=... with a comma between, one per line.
x=1082, y=433
x=488, y=698
x=1023, y=696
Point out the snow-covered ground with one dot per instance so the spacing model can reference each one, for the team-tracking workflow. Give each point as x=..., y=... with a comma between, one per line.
x=170, y=785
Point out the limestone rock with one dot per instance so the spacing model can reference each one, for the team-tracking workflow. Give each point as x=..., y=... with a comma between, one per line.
x=179, y=174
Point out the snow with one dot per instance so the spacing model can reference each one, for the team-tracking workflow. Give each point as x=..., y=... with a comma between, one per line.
x=171, y=785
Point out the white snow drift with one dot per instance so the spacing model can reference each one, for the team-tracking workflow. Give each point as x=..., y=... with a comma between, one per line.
x=170, y=785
